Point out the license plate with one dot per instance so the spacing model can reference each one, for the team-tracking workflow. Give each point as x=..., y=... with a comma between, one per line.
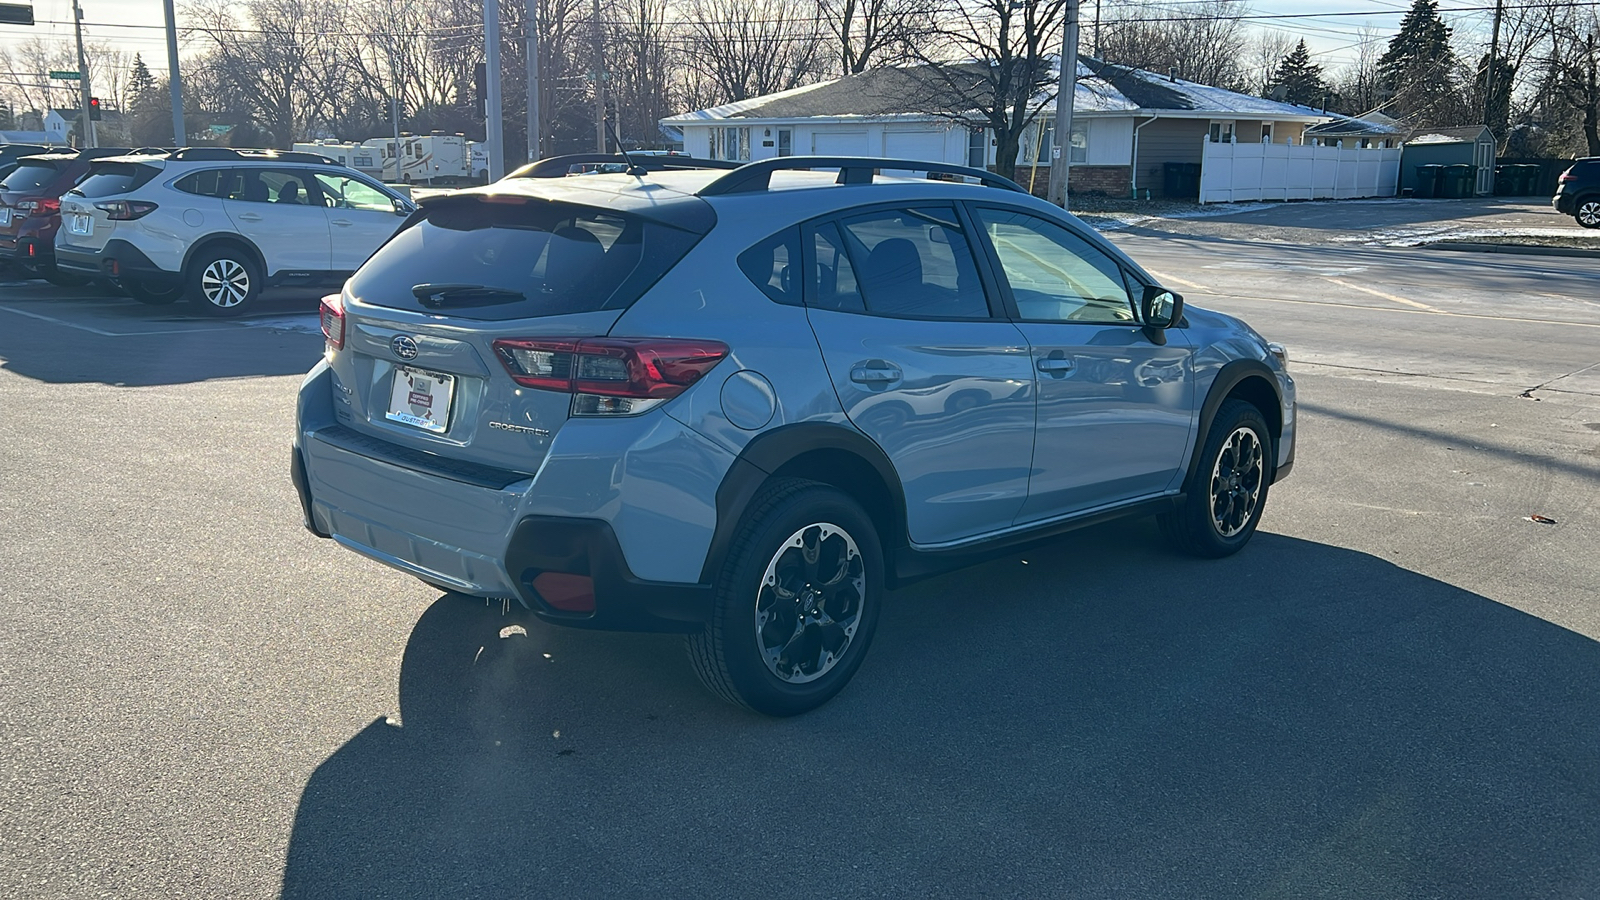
x=421, y=398
x=82, y=224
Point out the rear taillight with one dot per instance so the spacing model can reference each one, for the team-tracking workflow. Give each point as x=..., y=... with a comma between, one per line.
x=610, y=376
x=1567, y=176
x=126, y=210
x=42, y=207
x=333, y=320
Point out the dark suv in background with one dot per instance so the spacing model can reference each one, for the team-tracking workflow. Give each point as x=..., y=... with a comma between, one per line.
x=30, y=209
x=1578, y=192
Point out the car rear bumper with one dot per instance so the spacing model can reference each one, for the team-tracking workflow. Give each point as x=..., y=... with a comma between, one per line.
x=492, y=533
x=118, y=259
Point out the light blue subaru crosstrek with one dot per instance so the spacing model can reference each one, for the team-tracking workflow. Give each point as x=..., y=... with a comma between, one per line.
x=741, y=402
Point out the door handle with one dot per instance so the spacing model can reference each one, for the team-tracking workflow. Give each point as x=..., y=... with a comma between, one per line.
x=250, y=217
x=1055, y=365
x=344, y=223
x=874, y=371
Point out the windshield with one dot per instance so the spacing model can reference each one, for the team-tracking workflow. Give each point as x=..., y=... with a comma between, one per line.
x=30, y=176
x=106, y=179
x=493, y=261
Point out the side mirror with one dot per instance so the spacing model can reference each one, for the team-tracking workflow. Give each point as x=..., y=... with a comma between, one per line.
x=403, y=207
x=1160, y=309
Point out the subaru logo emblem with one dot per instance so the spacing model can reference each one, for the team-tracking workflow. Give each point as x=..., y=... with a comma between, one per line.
x=403, y=347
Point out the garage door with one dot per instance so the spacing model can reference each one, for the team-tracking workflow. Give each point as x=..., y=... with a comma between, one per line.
x=839, y=143
x=923, y=145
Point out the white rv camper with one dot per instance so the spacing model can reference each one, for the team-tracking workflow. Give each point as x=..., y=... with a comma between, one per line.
x=422, y=158
x=356, y=156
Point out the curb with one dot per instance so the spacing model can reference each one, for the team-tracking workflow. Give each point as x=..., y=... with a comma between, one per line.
x=1525, y=249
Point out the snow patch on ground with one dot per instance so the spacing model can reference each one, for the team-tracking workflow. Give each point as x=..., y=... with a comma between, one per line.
x=1415, y=235
x=300, y=324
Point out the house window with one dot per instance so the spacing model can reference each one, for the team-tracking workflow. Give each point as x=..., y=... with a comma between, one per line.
x=1266, y=132
x=785, y=142
x=977, y=147
x=731, y=143
x=1080, y=142
x=1221, y=132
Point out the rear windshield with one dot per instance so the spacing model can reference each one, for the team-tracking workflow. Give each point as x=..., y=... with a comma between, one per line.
x=30, y=177
x=106, y=179
x=478, y=257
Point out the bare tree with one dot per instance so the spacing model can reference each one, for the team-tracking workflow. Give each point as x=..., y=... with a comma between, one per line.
x=1261, y=59
x=1205, y=41
x=873, y=33
x=641, y=59
x=747, y=48
x=1007, y=74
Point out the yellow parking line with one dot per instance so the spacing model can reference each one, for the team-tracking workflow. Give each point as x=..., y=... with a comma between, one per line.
x=1175, y=280
x=1390, y=297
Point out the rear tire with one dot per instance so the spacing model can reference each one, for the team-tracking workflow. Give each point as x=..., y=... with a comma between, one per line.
x=1588, y=212
x=222, y=281
x=1227, y=491
x=142, y=292
x=796, y=603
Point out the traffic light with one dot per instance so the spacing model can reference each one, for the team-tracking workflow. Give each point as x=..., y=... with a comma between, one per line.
x=94, y=109
x=480, y=88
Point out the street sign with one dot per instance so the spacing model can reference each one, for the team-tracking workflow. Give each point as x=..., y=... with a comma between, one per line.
x=66, y=76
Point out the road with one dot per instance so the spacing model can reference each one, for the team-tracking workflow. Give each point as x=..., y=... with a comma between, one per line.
x=1391, y=693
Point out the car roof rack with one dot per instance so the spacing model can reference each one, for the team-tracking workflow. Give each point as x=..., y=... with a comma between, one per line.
x=214, y=154
x=757, y=176
x=558, y=166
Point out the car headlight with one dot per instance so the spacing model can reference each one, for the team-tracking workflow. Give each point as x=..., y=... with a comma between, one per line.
x=1281, y=352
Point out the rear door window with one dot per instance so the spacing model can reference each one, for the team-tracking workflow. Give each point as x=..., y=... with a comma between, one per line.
x=498, y=261
x=108, y=179
x=29, y=176
x=206, y=183
x=915, y=262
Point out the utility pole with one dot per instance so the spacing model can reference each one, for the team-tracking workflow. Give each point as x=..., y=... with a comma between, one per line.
x=180, y=137
x=1066, y=92
x=534, y=133
x=84, y=122
x=599, y=85
x=1494, y=53
x=394, y=103
x=494, y=115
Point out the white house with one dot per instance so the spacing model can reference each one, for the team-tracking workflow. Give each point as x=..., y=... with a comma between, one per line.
x=1133, y=131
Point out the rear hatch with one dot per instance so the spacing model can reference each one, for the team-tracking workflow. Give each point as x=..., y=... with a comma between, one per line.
x=91, y=211
x=420, y=366
x=25, y=192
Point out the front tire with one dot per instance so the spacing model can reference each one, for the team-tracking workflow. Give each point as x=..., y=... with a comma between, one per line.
x=1588, y=212
x=223, y=281
x=1227, y=491
x=796, y=603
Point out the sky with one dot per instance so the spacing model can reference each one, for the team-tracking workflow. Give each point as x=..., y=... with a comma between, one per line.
x=134, y=25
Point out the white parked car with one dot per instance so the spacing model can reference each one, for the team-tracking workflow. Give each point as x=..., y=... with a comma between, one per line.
x=216, y=226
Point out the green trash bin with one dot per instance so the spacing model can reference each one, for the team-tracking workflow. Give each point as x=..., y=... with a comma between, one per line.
x=1457, y=181
x=1507, y=181
x=1530, y=179
x=1428, y=181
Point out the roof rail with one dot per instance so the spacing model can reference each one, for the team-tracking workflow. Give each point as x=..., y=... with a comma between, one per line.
x=213, y=154
x=558, y=166
x=757, y=176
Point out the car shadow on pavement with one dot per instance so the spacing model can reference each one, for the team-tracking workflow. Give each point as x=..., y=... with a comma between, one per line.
x=1094, y=718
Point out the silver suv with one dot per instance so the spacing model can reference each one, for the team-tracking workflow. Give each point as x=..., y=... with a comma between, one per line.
x=741, y=403
x=217, y=226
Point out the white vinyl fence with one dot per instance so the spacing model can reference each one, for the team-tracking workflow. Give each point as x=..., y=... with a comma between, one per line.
x=1232, y=172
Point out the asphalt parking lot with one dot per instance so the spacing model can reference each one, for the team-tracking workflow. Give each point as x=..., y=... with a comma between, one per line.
x=1392, y=692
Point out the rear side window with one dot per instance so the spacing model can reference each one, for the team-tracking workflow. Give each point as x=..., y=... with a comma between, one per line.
x=497, y=261
x=774, y=266
x=107, y=179
x=208, y=183
x=30, y=177
x=915, y=262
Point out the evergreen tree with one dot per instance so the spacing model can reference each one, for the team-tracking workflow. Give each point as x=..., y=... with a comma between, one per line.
x=1415, y=69
x=1299, y=78
x=140, y=82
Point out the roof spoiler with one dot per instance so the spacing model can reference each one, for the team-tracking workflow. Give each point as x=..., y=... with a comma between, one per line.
x=757, y=176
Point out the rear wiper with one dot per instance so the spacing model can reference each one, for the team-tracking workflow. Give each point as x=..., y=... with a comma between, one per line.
x=435, y=296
